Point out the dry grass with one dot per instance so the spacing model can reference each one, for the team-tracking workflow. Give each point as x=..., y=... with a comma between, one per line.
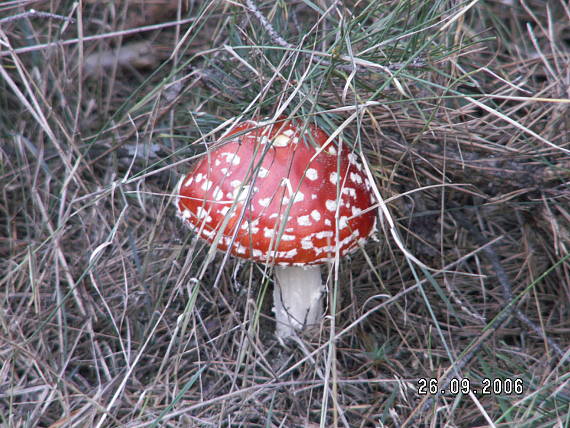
x=108, y=316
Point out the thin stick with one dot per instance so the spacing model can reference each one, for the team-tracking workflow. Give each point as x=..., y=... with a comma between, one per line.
x=267, y=25
x=509, y=309
x=120, y=33
x=503, y=278
x=279, y=40
x=32, y=13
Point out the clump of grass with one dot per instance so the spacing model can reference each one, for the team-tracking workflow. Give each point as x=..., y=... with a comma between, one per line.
x=108, y=317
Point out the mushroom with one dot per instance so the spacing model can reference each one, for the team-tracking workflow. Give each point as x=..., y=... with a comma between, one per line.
x=278, y=193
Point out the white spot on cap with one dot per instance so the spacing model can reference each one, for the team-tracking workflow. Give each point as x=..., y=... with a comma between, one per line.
x=224, y=210
x=240, y=194
x=189, y=181
x=298, y=197
x=235, y=183
x=342, y=222
x=268, y=233
x=257, y=253
x=288, y=132
x=201, y=213
x=330, y=204
x=199, y=177
x=357, y=178
x=304, y=220
x=316, y=215
x=287, y=183
x=274, y=253
x=306, y=244
x=356, y=211
x=208, y=233
x=287, y=237
x=263, y=172
x=207, y=185
x=331, y=149
x=312, y=174
x=327, y=222
x=349, y=191
x=224, y=171
x=274, y=215
x=232, y=158
x=281, y=141
x=333, y=178
x=289, y=254
x=264, y=139
x=264, y=202
x=217, y=194
x=253, y=226
x=217, y=162
x=324, y=234
x=313, y=196
x=325, y=249
x=186, y=214
x=350, y=239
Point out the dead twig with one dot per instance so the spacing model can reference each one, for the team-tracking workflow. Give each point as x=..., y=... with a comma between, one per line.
x=279, y=40
x=503, y=278
x=32, y=13
x=509, y=309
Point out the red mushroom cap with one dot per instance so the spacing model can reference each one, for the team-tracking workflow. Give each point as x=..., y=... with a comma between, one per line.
x=283, y=190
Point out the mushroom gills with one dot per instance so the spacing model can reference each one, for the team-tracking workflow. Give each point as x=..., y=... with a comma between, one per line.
x=297, y=298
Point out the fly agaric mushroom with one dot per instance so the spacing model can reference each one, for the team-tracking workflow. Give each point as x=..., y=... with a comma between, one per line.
x=275, y=193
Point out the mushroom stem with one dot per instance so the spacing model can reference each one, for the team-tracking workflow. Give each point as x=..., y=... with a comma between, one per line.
x=296, y=298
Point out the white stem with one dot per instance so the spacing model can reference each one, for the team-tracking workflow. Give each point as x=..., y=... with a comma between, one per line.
x=296, y=298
